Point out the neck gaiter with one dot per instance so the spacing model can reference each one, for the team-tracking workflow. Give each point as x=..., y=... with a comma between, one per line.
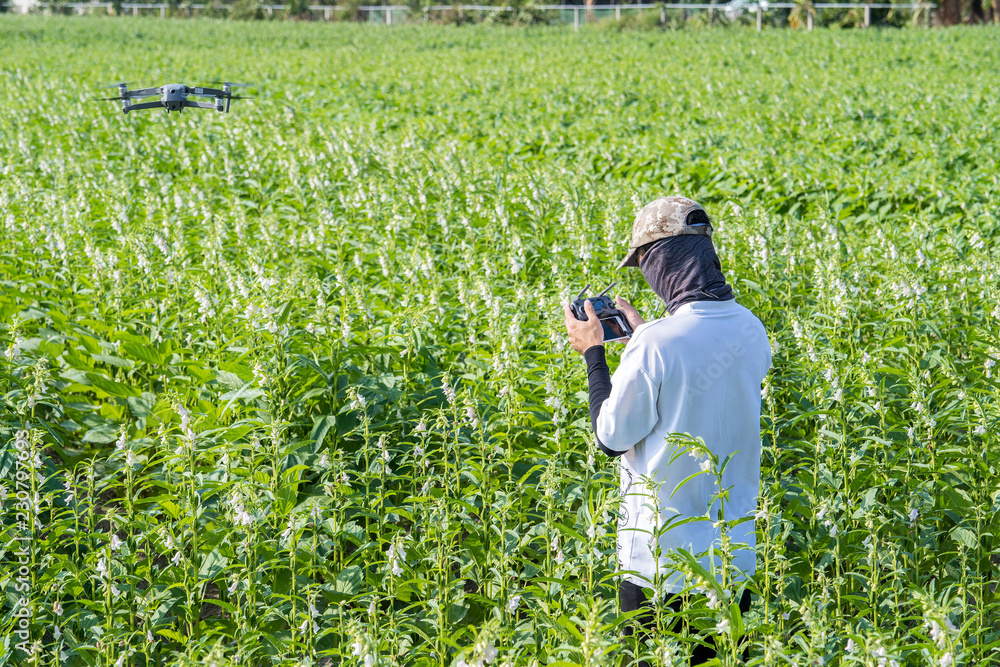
x=685, y=268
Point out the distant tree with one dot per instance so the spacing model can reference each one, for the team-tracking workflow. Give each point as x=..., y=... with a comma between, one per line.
x=798, y=17
x=246, y=10
x=298, y=9
x=951, y=12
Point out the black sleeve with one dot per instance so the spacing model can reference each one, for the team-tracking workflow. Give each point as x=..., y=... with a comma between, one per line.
x=599, y=383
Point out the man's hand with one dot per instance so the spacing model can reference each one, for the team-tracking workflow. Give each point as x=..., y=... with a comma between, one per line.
x=584, y=335
x=631, y=314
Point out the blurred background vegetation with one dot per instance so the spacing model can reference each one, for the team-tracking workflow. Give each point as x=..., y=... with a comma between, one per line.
x=601, y=15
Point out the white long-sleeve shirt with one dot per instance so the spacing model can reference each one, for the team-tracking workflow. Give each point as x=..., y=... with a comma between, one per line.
x=698, y=372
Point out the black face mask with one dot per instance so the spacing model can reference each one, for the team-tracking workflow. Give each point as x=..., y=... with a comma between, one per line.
x=685, y=268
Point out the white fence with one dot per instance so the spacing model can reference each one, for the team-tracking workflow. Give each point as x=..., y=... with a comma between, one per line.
x=386, y=12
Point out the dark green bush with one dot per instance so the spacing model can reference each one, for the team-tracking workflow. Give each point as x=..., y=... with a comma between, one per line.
x=247, y=10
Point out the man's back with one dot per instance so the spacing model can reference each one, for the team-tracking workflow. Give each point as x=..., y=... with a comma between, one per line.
x=697, y=372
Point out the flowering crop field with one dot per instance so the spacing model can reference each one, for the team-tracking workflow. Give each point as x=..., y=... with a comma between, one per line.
x=290, y=386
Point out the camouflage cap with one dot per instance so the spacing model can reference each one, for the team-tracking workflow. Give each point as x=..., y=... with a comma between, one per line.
x=662, y=218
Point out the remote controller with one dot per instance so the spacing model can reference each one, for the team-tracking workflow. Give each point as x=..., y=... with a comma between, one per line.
x=616, y=326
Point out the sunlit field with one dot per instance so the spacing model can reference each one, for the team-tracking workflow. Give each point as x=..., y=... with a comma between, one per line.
x=290, y=385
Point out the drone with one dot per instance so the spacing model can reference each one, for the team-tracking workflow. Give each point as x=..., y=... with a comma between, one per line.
x=174, y=97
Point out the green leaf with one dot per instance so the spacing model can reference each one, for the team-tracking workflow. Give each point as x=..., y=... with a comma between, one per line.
x=172, y=634
x=112, y=360
x=349, y=580
x=102, y=434
x=109, y=386
x=321, y=427
x=965, y=537
x=142, y=353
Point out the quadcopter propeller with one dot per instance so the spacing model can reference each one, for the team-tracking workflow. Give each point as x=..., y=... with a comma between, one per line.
x=115, y=85
x=235, y=85
x=108, y=99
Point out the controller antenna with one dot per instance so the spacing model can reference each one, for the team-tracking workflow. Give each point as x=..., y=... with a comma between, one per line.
x=583, y=291
x=606, y=289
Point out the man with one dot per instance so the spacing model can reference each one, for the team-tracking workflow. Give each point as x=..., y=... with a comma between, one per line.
x=698, y=371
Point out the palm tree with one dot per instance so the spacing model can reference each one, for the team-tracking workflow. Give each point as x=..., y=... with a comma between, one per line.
x=797, y=17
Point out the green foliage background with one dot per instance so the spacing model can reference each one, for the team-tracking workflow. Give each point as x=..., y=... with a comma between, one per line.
x=248, y=354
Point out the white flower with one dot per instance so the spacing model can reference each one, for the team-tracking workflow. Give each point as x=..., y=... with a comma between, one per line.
x=386, y=456
x=722, y=626
x=706, y=465
x=233, y=586
x=149, y=636
x=421, y=427
x=713, y=599
x=344, y=478
x=489, y=653
x=358, y=647
x=57, y=608
x=322, y=463
x=851, y=647
x=369, y=660
x=130, y=458
x=914, y=513
x=979, y=430
x=513, y=603
x=559, y=557
x=176, y=559
x=102, y=568
x=243, y=518
x=418, y=451
x=592, y=531
x=371, y=608
x=120, y=444
x=114, y=590
x=14, y=349
x=946, y=660
x=397, y=569
x=761, y=514
x=56, y=632
x=449, y=392
x=116, y=543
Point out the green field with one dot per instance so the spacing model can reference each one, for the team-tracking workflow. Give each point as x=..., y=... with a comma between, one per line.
x=290, y=386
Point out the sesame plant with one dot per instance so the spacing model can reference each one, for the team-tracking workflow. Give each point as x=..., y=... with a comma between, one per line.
x=290, y=385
